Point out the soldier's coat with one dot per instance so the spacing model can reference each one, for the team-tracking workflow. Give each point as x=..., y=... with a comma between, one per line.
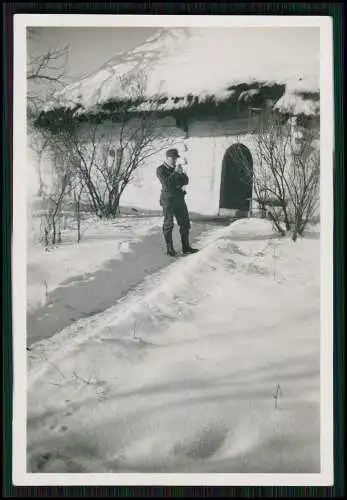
x=172, y=200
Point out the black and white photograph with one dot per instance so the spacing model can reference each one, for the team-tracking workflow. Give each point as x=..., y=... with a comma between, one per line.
x=174, y=232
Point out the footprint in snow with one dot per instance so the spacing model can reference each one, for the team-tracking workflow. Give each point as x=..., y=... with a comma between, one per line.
x=61, y=429
x=204, y=444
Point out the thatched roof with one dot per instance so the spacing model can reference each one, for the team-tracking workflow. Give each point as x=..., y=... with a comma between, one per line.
x=200, y=71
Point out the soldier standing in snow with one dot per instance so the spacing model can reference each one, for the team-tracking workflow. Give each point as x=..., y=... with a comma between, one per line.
x=172, y=201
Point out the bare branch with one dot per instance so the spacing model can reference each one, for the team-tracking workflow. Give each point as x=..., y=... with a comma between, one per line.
x=104, y=161
x=286, y=175
x=45, y=71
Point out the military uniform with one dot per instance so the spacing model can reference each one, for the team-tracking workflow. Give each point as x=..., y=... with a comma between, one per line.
x=174, y=206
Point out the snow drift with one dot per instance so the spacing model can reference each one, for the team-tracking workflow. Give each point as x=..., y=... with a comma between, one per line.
x=101, y=242
x=211, y=366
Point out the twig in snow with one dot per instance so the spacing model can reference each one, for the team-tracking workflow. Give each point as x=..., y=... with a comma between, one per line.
x=53, y=383
x=82, y=379
x=135, y=337
x=56, y=368
x=200, y=359
x=275, y=258
x=277, y=395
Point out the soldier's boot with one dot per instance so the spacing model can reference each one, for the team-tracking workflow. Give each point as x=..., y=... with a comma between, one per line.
x=170, y=250
x=186, y=248
x=169, y=245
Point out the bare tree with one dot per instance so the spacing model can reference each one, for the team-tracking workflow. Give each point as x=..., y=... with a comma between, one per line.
x=38, y=143
x=53, y=204
x=286, y=174
x=77, y=189
x=55, y=191
x=273, y=149
x=45, y=71
x=45, y=75
x=304, y=183
x=107, y=158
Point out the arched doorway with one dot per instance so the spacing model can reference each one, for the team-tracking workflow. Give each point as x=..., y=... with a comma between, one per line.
x=237, y=179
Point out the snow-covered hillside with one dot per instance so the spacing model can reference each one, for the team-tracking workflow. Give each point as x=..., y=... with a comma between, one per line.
x=204, y=61
x=101, y=241
x=211, y=367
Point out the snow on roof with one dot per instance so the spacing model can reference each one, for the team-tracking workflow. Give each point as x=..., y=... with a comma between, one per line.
x=296, y=104
x=202, y=62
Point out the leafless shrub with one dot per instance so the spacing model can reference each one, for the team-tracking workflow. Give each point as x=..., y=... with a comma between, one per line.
x=285, y=175
x=106, y=159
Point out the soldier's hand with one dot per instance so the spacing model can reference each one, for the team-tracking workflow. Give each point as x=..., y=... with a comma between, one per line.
x=179, y=169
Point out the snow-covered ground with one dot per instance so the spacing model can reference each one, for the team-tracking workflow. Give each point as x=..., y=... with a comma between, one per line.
x=101, y=242
x=181, y=375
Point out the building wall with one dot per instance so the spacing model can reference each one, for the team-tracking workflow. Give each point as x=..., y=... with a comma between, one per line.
x=143, y=190
x=208, y=143
x=202, y=148
x=203, y=151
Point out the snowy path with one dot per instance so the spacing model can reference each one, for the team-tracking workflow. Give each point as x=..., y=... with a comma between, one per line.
x=191, y=387
x=93, y=293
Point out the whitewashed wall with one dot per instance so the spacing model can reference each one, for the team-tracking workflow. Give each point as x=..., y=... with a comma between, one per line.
x=40, y=166
x=202, y=152
x=207, y=144
x=202, y=155
x=143, y=191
